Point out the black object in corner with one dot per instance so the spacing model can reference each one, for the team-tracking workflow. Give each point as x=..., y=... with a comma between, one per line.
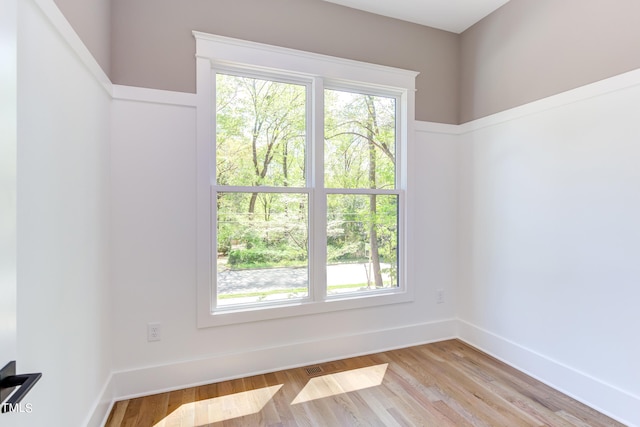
x=9, y=380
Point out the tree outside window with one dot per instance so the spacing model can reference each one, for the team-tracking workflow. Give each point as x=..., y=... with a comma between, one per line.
x=265, y=202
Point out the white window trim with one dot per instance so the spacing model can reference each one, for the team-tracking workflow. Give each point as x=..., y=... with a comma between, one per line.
x=214, y=51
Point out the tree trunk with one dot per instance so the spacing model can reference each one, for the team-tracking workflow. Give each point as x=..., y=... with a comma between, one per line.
x=373, y=235
x=285, y=161
x=373, y=238
x=252, y=204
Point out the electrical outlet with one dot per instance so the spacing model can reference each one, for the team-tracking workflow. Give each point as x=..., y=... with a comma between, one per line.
x=153, y=332
x=440, y=296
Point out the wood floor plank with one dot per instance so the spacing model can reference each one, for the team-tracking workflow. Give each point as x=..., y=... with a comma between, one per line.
x=546, y=400
x=423, y=408
x=180, y=411
x=132, y=413
x=117, y=413
x=442, y=384
x=486, y=407
x=467, y=366
x=153, y=409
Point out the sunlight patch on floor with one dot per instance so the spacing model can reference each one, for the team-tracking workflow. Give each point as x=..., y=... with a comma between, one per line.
x=224, y=408
x=342, y=382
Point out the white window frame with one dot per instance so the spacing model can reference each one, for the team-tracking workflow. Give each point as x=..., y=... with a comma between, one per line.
x=216, y=53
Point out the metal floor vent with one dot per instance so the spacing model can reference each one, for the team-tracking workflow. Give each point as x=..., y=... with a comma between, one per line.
x=313, y=370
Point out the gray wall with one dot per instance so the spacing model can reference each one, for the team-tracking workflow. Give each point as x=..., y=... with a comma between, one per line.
x=531, y=49
x=526, y=50
x=152, y=45
x=91, y=20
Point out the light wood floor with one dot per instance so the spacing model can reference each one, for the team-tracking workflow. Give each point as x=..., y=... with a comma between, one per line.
x=442, y=384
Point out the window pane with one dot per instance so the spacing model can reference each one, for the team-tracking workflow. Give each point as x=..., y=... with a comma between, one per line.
x=362, y=242
x=262, y=247
x=260, y=132
x=360, y=140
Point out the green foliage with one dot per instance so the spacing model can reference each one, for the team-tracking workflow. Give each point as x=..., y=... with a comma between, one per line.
x=260, y=256
x=261, y=133
x=354, y=123
x=274, y=235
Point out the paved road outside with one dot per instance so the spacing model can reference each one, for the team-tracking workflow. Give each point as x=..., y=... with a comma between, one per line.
x=243, y=281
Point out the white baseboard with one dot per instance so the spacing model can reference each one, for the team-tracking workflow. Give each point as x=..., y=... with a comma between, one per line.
x=611, y=401
x=605, y=398
x=102, y=407
x=157, y=379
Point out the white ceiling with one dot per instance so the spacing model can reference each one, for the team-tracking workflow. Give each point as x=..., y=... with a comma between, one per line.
x=450, y=15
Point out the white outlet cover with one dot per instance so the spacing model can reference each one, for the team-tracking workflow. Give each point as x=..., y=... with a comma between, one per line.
x=153, y=332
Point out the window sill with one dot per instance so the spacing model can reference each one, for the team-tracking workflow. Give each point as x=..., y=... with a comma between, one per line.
x=300, y=308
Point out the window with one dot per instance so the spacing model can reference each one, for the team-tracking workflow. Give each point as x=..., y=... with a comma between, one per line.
x=261, y=192
x=301, y=182
x=362, y=195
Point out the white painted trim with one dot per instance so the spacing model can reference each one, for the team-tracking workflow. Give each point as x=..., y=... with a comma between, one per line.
x=431, y=127
x=599, y=88
x=157, y=379
x=230, y=51
x=60, y=23
x=611, y=400
x=205, y=162
x=154, y=96
x=102, y=406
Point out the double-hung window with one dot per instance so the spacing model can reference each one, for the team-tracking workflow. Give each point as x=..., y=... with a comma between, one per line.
x=301, y=182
